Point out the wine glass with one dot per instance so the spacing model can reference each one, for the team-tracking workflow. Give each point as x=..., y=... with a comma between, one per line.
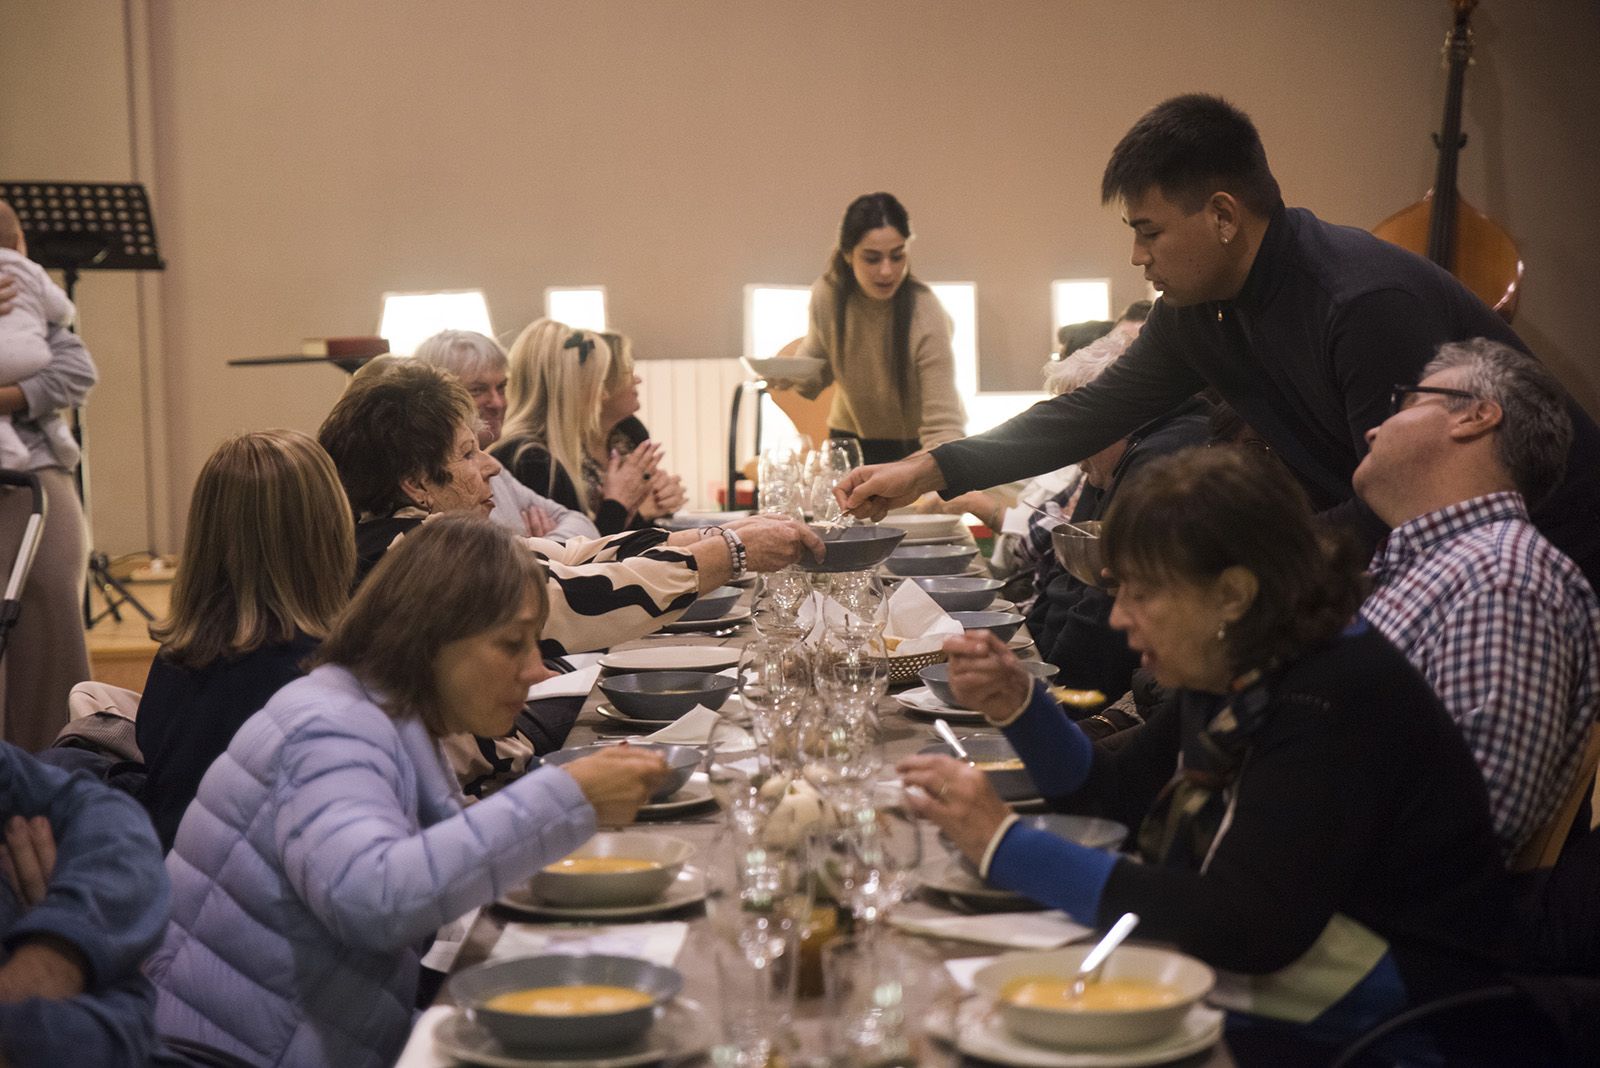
x=743, y=777
x=851, y=669
x=871, y=859
x=758, y=900
x=839, y=752
x=776, y=601
x=861, y=596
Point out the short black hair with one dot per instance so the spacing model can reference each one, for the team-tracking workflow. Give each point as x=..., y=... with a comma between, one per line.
x=1188, y=148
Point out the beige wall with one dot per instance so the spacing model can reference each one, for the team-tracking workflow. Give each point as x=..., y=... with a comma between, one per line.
x=309, y=155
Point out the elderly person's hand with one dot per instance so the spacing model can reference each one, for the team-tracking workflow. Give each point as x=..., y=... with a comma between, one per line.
x=627, y=477
x=773, y=542
x=986, y=676
x=28, y=858
x=957, y=797
x=618, y=780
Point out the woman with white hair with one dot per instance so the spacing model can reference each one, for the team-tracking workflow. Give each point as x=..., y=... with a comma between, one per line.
x=480, y=363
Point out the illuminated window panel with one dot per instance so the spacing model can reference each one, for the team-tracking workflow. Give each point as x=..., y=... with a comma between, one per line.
x=1078, y=300
x=773, y=317
x=410, y=318
x=583, y=307
x=960, y=300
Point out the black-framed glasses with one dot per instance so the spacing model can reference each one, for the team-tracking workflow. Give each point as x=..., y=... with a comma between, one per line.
x=1398, y=395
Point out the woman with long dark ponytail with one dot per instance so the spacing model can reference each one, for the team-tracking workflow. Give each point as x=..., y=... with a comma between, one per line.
x=884, y=337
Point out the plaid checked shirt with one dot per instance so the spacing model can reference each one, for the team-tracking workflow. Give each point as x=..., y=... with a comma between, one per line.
x=1507, y=631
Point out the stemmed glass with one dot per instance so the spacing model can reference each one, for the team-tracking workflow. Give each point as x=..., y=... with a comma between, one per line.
x=839, y=752
x=775, y=603
x=870, y=861
x=861, y=596
x=826, y=468
x=744, y=778
x=851, y=670
x=759, y=898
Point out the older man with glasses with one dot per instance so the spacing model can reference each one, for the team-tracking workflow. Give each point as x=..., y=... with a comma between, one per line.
x=1502, y=624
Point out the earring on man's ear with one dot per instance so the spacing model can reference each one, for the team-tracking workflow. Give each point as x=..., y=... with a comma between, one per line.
x=1222, y=631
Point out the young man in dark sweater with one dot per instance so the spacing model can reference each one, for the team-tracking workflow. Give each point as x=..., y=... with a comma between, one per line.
x=1302, y=326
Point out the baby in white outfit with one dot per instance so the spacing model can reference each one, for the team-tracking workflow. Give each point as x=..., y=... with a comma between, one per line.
x=24, y=350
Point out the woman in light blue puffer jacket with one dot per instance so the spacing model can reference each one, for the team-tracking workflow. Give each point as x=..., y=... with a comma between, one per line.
x=328, y=843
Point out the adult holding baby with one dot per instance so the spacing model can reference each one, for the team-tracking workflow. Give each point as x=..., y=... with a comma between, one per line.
x=46, y=655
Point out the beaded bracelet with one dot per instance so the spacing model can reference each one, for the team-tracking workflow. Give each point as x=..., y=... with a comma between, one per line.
x=736, y=551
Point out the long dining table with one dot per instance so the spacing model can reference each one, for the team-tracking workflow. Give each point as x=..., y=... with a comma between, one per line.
x=901, y=733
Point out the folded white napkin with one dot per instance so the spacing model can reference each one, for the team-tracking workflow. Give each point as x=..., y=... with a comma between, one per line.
x=579, y=661
x=572, y=684
x=691, y=728
x=1013, y=930
x=658, y=943
x=447, y=942
x=923, y=698
x=962, y=969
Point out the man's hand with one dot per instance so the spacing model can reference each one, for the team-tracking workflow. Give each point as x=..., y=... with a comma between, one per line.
x=43, y=966
x=869, y=492
x=28, y=858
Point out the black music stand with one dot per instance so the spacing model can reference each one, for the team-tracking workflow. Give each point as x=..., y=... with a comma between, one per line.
x=88, y=226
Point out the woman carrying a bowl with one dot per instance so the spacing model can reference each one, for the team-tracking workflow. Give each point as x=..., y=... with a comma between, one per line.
x=883, y=337
x=328, y=843
x=1308, y=816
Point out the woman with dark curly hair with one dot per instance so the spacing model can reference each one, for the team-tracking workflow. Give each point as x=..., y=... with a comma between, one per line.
x=1306, y=813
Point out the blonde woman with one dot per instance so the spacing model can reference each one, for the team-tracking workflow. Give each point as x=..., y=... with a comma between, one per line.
x=266, y=566
x=568, y=392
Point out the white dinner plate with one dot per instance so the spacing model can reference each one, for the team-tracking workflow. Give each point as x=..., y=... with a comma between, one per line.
x=687, y=889
x=921, y=702
x=933, y=539
x=681, y=1030
x=610, y=713
x=694, y=794
x=693, y=626
x=672, y=658
x=952, y=880
x=980, y=1033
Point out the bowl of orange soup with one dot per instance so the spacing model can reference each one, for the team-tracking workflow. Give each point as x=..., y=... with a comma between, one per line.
x=565, y=1002
x=613, y=869
x=1143, y=995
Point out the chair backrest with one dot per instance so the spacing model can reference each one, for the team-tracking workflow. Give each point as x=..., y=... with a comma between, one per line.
x=1541, y=850
x=810, y=417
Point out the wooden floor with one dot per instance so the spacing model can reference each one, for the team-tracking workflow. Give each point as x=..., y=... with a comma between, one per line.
x=120, y=651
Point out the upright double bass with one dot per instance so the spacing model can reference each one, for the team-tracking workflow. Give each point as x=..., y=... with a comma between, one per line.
x=1444, y=227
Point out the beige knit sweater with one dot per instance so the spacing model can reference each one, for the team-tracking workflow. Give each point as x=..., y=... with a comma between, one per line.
x=867, y=403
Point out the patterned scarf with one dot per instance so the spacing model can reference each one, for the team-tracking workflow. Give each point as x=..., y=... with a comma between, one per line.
x=1216, y=731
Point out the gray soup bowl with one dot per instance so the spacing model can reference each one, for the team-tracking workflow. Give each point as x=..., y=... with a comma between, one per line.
x=960, y=593
x=913, y=560
x=665, y=695
x=681, y=762
x=712, y=605
x=1002, y=624
x=852, y=548
x=1012, y=784
x=474, y=986
x=937, y=678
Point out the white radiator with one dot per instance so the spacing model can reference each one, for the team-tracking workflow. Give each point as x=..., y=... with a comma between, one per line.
x=685, y=404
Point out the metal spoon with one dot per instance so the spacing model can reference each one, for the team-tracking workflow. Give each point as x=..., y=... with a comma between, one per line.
x=1089, y=970
x=942, y=728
